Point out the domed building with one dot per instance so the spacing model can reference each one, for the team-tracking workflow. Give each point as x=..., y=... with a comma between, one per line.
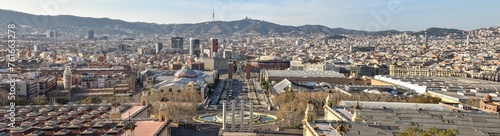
x=185, y=72
x=184, y=79
x=488, y=105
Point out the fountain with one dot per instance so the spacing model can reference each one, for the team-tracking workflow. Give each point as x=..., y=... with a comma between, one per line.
x=258, y=118
x=236, y=117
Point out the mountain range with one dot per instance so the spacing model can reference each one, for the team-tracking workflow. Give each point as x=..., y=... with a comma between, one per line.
x=244, y=26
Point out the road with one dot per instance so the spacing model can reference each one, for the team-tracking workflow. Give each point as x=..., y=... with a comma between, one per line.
x=237, y=88
x=214, y=99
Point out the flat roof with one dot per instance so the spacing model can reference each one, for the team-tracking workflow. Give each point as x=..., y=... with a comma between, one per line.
x=147, y=128
x=62, y=68
x=396, y=117
x=93, y=93
x=126, y=114
x=395, y=105
x=305, y=74
x=324, y=128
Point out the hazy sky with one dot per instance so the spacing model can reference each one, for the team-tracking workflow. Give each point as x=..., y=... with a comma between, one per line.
x=352, y=14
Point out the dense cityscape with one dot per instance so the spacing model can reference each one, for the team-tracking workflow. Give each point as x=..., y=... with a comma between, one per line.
x=77, y=76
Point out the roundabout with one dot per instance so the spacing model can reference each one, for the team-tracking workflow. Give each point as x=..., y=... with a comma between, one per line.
x=258, y=118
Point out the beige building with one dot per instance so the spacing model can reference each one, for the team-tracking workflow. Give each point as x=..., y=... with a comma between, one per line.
x=177, y=87
x=219, y=64
x=355, y=118
x=298, y=76
x=424, y=72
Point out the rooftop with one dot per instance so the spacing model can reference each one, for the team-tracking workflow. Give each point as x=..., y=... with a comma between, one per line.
x=147, y=128
x=90, y=119
x=389, y=118
x=304, y=74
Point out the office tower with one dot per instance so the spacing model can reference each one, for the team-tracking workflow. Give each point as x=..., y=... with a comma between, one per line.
x=51, y=34
x=193, y=45
x=159, y=47
x=214, y=46
x=90, y=35
x=468, y=40
x=177, y=42
x=122, y=47
x=325, y=41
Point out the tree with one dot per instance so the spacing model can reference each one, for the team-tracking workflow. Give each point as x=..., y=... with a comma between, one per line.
x=211, y=85
x=4, y=101
x=292, y=105
x=181, y=106
x=473, y=102
x=415, y=131
x=39, y=101
x=61, y=101
x=116, y=101
x=90, y=100
x=265, y=85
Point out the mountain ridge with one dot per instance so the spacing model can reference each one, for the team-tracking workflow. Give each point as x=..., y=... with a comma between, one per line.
x=243, y=26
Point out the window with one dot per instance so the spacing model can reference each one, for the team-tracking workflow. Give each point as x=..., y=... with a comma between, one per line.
x=169, y=90
x=178, y=91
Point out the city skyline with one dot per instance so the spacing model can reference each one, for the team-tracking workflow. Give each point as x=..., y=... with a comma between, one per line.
x=375, y=15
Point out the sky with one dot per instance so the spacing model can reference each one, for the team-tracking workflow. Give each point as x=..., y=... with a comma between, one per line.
x=371, y=15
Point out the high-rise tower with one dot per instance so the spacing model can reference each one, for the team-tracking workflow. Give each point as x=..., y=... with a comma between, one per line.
x=159, y=47
x=90, y=35
x=177, y=42
x=214, y=46
x=468, y=38
x=67, y=76
x=426, y=40
x=193, y=45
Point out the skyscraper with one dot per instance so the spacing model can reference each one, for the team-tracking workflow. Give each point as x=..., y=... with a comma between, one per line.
x=159, y=47
x=51, y=34
x=468, y=39
x=214, y=46
x=90, y=35
x=122, y=47
x=194, y=44
x=67, y=78
x=201, y=51
x=177, y=42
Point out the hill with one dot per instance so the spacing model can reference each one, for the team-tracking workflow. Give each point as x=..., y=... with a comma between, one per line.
x=244, y=26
